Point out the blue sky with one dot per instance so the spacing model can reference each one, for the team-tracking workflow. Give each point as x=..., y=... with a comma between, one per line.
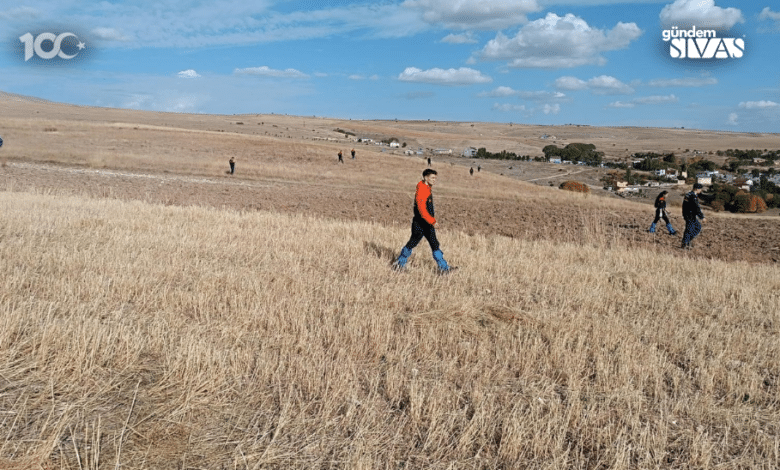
x=597, y=62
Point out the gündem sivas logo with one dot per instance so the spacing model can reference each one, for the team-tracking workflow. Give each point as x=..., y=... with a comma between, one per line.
x=696, y=43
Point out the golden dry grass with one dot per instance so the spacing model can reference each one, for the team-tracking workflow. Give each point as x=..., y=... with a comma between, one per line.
x=143, y=336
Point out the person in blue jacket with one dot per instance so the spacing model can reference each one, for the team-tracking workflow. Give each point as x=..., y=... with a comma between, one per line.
x=691, y=212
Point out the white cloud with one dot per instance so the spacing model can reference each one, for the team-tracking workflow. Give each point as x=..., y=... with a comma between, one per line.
x=473, y=14
x=541, y=95
x=701, y=13
x=683, y=82
x=188, y=74
x=461, y=76
x=500, y=92
x=160, y=102
x=645, y=100
x=464, y=38
x=621, y=104
x=559, y=42
x=570, y=83
x=266, y=71
x=758, y=104
x=768, y=14
x=110, y=34
x=551, y=108
x=733, y=119
x=508, y=108
x=20, y=13
x=363, y=77
x=601, y=85
x=657, y=99
x=505, y=92
x=168, y=23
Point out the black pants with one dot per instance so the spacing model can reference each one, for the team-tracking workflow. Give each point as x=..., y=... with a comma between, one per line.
x=420, y=229
x=659, y=214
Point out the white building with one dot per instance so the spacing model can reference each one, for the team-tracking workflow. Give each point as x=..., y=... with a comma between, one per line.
x=470, y=152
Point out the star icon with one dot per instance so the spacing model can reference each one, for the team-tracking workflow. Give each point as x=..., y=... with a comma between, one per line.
x=81, y=45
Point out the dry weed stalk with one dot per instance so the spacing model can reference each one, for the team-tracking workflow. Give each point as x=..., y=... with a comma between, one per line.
x=144, y=336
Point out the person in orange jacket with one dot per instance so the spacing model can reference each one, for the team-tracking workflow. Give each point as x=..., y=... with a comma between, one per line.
x=424, y=224
x=660, y=213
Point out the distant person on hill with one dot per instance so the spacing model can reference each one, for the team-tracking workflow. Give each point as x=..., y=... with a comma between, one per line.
x=429, y=161
x=660, y=213
x=1, y=141
x=353, y=154
x=691, y=212
x=424, y=224
x=478, y=168
x=232, y=165
x=471, y=171
x=341, y=157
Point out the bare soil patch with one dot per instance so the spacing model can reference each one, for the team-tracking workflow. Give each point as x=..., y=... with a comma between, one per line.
x=725, y=238
x=288, y=164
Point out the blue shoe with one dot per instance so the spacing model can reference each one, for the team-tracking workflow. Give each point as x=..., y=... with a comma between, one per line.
x=400, y=263
x=651, y=229
x=440, y=262
x=671, y=230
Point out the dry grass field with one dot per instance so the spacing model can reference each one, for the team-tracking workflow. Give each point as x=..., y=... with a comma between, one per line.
x=156, y=313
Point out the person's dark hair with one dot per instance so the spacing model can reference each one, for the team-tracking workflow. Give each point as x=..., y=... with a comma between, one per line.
x=660, y=196
x=429, y=171
x=698, y=186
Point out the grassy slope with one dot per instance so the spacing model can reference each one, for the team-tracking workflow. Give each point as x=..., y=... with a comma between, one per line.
x=168, y=337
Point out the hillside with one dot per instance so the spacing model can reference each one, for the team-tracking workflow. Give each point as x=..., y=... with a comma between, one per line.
x=138, y=335
x=157, y=312
x=285, y=165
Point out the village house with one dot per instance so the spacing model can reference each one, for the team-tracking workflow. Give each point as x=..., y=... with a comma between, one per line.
x=743, y=183
x=470, y=152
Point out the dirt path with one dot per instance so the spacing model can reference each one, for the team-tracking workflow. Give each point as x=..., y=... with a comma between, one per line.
x=724, y=238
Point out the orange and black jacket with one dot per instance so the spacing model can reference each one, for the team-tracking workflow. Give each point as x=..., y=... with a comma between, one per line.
x=423, y=203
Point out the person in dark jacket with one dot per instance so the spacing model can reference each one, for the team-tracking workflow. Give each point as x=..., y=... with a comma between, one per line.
x=424, y=224
x=691, y=212
x=660, y=213
x=232, y=165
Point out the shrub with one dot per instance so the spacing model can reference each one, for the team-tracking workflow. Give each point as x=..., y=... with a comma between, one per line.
x=749, y=203
x=717, y=205
x=575, y=186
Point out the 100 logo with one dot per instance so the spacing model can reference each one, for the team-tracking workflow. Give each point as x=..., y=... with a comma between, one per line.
x=33, y=45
